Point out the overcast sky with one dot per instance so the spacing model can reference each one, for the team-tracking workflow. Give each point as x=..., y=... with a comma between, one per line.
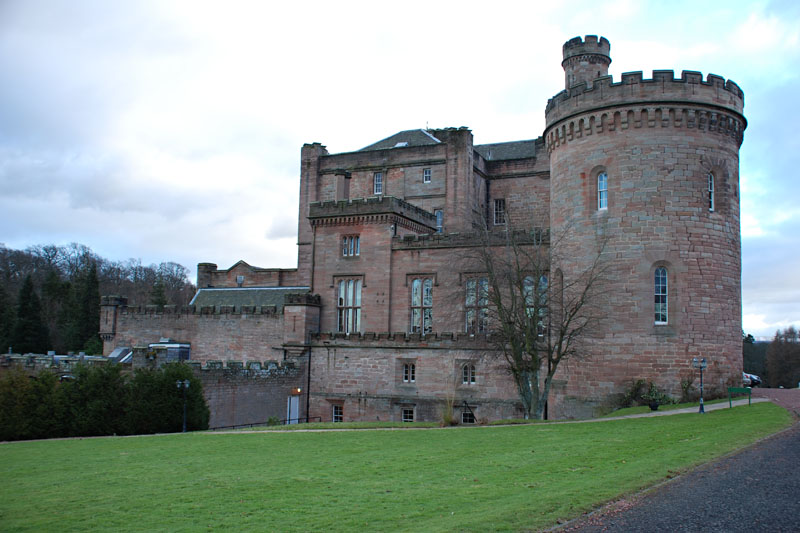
x=171, y=131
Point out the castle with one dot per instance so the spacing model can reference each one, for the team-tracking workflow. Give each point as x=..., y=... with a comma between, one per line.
x=383, y=318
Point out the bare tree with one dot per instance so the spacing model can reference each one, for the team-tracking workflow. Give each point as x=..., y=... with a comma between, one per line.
x=536, y=318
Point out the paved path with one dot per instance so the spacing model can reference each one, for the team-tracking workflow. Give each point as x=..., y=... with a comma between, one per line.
x=757, y=489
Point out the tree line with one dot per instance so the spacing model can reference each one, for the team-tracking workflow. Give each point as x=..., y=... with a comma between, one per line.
x=99, y=400
x=776, y=362
x=50, y=295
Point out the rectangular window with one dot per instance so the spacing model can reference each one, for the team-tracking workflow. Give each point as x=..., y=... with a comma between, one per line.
x=602, y=191
x=377, y=183
x=351, y=246
x=536, y=309
x=422, y=305
x=439, y=220
x=338, y=413
x=467, y=417
x=348, y=306
x=408, y=414
x=409, y=373
x=477, y=305
x=426, y=175
x=499, y=211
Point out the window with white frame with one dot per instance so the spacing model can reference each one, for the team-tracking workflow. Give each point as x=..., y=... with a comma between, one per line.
x=408, y=414
x=422, y=305
x=476, y=305
x=467, y=417
x=377, y=183
x=499, y=211
x=337, y=414
x=602, y=191
x=468, y=374
x=351, y=245
x=661, y=303
x=536, y=301
x=409, y=373
x=439, y=220
x=426, y=175
x=710, y=191
x=348, y=305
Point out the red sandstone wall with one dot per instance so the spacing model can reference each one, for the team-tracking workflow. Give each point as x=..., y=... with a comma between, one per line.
x=366, y=378
x=213, y=337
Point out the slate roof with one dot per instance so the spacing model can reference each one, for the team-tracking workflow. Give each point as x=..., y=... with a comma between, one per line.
x=239, y=296
x=508, y=150
x=410, y=137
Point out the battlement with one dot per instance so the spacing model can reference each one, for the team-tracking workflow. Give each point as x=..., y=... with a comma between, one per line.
x=401, y=338
x=591, y=45
x=663, y=90
x=205, y=310
x=373, y=205
x=537, y=236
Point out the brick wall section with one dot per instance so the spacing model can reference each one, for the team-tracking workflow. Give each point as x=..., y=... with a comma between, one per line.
x=245, y=337
x=238, y=396
x=208, y=275
x=365, y=376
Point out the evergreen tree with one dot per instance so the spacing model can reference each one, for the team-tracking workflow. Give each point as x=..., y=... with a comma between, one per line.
x=30, y=333
x=157, y=295
x=83, y=319
x=55, y=296
x=6, y=320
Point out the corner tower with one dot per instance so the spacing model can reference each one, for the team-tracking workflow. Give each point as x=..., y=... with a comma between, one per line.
x=585, y=60
x=648, y=171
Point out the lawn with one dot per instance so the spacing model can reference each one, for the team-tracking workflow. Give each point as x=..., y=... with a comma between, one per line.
x=465, y=479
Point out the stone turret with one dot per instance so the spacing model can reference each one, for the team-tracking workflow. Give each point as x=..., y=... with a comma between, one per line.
x=647, y=170
x=585, y=60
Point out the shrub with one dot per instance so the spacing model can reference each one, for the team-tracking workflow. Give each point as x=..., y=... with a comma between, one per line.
x=642, y=392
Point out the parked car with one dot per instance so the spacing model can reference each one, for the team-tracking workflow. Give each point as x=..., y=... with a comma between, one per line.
x=755, y=381
x=746, y=379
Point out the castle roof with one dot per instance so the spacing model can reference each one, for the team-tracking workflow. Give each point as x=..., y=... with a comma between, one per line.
x=507, y=150
x=245, y=296
x=490, y=152
x=403, y=139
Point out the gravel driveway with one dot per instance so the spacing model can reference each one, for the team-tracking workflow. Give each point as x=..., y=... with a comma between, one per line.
x=757, y=489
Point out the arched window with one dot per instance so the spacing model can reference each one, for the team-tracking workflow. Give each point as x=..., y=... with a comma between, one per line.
x=468, y=374
x=422, y=305
x=710, y=191
x=602, y=191
x=660, y=290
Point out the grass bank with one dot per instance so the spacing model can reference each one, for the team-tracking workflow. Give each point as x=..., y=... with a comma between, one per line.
x=466, y=479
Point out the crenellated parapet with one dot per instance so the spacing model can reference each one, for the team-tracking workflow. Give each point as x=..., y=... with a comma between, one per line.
x=205, y=310
x=537, y=236
x=401, y=340
x=713, y=105
x=375, y=209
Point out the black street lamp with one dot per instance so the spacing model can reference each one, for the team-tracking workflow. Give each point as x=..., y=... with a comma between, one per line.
x=701, y=364
x=183, y=385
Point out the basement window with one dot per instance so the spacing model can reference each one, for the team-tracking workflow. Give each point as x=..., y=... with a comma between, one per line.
x=408, y=414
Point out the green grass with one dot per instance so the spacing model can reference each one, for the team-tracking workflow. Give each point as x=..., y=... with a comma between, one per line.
x=463, y=479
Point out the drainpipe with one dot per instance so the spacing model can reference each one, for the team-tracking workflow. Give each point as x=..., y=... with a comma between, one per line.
x=308, y=383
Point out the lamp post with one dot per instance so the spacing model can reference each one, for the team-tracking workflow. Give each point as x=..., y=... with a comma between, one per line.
x=183, y=385
x=700, y=364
